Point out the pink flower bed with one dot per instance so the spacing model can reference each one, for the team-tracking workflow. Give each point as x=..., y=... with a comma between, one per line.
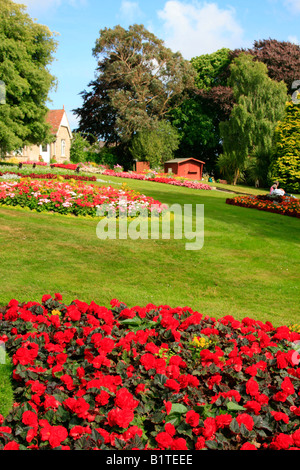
x=152, y=378
x=159, y=179
x=77, y=198
x=69, y=166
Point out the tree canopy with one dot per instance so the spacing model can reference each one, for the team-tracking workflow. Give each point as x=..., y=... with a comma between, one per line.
x=155, y=145
x=26, y=51
x=260, y=104
x=282, y=59
x=138, y=81
x=285, y=166
x=212, y=69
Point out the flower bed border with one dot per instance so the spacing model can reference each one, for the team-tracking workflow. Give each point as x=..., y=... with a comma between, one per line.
x=50, y=176
x=78, y=199
x=192, y=184
x=283, y=205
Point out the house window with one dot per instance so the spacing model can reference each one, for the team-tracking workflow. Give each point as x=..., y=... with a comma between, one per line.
x=44, y=148
x=63, y=148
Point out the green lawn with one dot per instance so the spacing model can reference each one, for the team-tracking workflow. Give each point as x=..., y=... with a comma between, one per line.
x=249, y=265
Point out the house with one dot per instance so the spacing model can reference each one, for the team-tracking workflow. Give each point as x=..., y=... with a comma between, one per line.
x=59, y=149
x=185, y=167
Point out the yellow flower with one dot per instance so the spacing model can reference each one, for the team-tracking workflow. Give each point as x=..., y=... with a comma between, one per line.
x=295, y=327
x=200, y=342
x=55, y=312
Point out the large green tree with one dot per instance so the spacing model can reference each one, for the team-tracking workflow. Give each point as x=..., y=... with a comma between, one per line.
x=155, y=145
x=138, y=81
x=212, y=69
x=249, y=132
x=199, y=136
x=285, y=166
x=26, y=50
x=197, y=118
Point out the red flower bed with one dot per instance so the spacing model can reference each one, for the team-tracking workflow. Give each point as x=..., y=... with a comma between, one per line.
x=284, y=205
x=151, y=378
x=69, y=166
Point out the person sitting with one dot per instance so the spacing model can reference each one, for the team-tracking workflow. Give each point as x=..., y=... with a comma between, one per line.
x=275, y=191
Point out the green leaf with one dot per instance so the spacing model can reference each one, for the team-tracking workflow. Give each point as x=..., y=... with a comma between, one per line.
x=213, y=445
x=158, y=417
x=244, y=431
x=160, y=379
x=176, y=413
x=131, y=321
x=178, y=408
x=233, y=406
x=234, y=426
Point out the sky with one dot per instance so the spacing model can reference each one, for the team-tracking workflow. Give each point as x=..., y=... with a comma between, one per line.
x=192, y=27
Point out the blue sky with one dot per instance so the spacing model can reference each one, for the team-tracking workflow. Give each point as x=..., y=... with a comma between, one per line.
x=189, y=26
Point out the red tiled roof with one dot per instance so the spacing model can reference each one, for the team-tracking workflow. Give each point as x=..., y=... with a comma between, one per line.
x=54, y=118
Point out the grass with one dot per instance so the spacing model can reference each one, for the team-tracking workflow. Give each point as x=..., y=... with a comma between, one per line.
x=248, y=266
x=6, y=392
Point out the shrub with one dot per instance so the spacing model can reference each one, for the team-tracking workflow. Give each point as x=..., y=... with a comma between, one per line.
x=285, y=166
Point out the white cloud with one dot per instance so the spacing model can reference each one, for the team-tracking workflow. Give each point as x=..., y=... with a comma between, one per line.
x=199, y=28
x=294, y=40
x=293, y=5
x=130, y=10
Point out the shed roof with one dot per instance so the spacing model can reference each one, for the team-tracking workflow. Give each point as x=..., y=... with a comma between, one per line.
x=182, y=160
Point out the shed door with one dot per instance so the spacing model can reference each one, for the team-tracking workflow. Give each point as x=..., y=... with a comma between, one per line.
x=193, y=170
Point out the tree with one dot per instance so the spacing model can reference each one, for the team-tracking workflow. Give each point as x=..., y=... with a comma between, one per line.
x=138, y=81
x=216, y=95
x=250, y=130
x=199, y=138
x=285, y=166
x=26, y=50
x=281, y=57
x=197, y=118
x=97, y=116
x=155, y=145
x=79, y=147
x=212, y=69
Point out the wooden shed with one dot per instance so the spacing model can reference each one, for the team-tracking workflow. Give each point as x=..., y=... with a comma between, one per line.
x=139, y=167
x=186, y=167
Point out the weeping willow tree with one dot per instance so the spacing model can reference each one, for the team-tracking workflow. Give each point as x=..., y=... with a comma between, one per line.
x=248, y=134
